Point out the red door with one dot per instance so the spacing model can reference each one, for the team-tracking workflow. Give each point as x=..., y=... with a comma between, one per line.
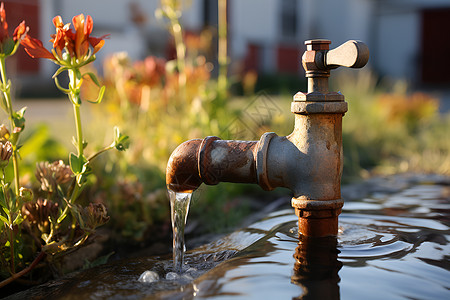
x=436, y=46
x=16, y=12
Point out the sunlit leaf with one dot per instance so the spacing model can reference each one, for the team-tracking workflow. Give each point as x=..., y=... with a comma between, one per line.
x=93, y=78
x=76, y=164
x=121, y=142
x=18, y=219
x=8, y=46
x=4, y=220
x=100, y=96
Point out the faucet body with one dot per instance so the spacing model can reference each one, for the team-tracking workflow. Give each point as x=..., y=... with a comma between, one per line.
x=309, y=161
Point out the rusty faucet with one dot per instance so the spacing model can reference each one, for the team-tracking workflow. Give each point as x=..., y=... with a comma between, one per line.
x=309, y=161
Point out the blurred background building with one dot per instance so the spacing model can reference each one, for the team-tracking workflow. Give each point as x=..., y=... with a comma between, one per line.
x=408, y=39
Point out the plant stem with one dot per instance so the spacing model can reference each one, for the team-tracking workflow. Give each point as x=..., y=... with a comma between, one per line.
x=24, y=271
x=10, y=220
x=90, y=158
x=7, y=95
x=16, y=171
x=222, y=51
x=11, y=245
x=76, y=110
x=180, y=48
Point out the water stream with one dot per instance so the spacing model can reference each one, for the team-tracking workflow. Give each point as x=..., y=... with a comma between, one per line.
x=179, y=209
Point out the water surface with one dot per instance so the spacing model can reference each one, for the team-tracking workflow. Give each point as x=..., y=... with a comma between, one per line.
x=391, y=245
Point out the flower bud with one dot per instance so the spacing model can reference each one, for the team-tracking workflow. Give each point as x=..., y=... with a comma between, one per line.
x=25, y=194
x=6, y=151
x=52, y=174
x=38, y=212
x=95, y=215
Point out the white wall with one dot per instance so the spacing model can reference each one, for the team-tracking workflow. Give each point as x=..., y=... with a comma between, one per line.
x=252, y=21
x=338, y=21
x=398, y=44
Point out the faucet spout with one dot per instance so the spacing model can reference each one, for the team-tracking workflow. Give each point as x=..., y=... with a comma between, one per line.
x=211, y=161
x=182, y=167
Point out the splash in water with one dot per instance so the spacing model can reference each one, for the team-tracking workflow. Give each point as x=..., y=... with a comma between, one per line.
x=179, y=207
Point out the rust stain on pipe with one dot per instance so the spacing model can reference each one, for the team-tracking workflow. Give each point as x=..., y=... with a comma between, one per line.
x=211, y=161
x=182, y=167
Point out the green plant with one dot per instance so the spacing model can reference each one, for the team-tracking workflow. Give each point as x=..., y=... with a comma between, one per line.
x=10, y=200
x=391, y=130
x=49, y=221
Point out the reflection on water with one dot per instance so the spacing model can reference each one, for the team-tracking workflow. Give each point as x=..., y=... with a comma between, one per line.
x=316, y=268
x=390, y=246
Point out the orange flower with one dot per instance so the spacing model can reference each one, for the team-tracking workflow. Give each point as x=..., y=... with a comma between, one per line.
x=20, y=31
x=8, y=45
x=3, y=24
x=59, y=39
x=35, y=49
x=83, y=28
x=75, y=43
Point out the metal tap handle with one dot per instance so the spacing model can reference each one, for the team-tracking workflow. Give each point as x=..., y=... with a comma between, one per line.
x=351, y=54
x=318, y=60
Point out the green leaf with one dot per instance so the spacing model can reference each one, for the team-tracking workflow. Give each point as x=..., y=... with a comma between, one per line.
x=13, y=200
x=18, y=220
x=93, y=78
x=61, y=218
x=81, y=179
x=6, y=210
x=19, y=120
x=16, y=46
x=100, y=96
x=86, y=168
x=78, y=73
x=4, y=220
x=5, y=88
x=2, y=199
x=21, y=112
x=8, y=46
x=3, y=102
x=76, y=164
x=121, y=142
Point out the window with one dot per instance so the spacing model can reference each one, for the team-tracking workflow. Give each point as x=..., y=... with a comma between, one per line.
x=288, y=18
